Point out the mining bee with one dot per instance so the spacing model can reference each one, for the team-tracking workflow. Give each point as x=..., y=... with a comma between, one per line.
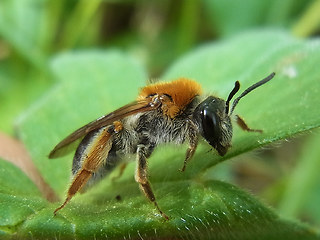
x=164, y=112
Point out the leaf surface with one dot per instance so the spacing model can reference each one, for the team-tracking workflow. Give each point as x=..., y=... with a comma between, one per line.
x=93, y=83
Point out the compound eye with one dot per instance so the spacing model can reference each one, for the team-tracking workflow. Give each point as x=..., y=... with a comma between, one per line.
x=210, y=125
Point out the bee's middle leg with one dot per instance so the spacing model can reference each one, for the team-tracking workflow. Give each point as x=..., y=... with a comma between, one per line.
x=141, y=177
x=121, y=171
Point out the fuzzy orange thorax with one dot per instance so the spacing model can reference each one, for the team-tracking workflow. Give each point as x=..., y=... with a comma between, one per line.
x=182, y=91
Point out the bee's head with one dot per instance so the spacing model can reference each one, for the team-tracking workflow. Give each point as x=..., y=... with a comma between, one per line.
x=213, y=117
x=215, y=125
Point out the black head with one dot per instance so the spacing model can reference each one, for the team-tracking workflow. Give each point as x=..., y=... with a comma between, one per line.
x=215, y=125
x=213, y=117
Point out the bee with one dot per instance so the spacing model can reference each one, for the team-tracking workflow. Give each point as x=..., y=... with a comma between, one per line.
x=165, y=112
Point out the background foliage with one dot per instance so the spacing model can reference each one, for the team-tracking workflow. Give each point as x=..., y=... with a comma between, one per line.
x=53, y=53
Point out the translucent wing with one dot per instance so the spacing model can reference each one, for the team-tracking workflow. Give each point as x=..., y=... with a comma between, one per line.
x=68, y=144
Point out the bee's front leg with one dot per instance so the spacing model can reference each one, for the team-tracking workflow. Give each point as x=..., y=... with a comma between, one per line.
x=244, y=126
x=141, y=177
x=193, y=143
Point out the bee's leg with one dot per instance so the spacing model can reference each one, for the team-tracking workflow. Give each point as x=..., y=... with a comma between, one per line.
x=121, y=170
x=91, y=159
x=193, y=143
x=244, y=126
x=78, y=182
x=141, y=177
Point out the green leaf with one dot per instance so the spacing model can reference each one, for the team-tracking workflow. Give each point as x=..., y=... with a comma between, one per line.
x=303, y=182
x=19, y=198
x=281, y=108
x=229, y=17
x=215, y=209
x=23, y=62
x=13, y=181
x=89, y=86
x=222, y=15
x=20, y=25
x=93, y=83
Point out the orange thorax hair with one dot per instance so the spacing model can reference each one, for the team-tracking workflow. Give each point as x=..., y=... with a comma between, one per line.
x=182, y=91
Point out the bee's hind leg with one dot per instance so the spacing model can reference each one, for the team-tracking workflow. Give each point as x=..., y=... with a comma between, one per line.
x=91, y=158
x=141, y=177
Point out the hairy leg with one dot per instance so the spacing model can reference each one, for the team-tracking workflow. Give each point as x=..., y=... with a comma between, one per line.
x=141, y=177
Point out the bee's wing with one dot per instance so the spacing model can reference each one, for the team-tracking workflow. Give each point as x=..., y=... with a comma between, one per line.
x=68, y=144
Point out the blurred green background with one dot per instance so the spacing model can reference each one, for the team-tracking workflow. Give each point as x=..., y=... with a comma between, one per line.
x=157, y=33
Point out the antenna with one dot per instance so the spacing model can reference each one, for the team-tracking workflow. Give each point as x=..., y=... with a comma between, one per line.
x=231, y=94
x=249, y=89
